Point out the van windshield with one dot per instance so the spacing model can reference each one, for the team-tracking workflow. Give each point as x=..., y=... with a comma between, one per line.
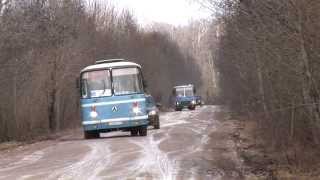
x=96, y=84
x=127, y=81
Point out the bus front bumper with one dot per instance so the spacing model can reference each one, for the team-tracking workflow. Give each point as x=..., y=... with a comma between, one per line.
x=184, y=104
x=115, y=124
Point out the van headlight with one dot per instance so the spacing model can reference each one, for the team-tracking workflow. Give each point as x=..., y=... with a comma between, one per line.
x=193, y=102
x=177, y=103
x=152, y=113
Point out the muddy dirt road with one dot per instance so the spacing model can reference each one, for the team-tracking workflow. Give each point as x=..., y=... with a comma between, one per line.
x=189, y=145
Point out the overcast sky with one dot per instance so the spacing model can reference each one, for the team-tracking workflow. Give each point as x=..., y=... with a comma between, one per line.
x=176, y=12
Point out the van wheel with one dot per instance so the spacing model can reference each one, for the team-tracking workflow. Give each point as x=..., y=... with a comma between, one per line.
x=143, y=131
x=134, y=132
x=91, y=134
x=157, y=123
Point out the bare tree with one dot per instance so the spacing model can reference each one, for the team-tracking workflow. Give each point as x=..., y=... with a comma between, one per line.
x=267, y=60
x=45, y=43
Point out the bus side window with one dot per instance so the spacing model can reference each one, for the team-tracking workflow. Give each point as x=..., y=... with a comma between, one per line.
x=84, y=88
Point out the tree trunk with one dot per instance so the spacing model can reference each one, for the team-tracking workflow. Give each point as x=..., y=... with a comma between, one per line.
x=307, y=81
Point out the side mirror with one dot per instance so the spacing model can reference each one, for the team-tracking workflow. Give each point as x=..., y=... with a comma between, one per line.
x=174, y=92
x=159, y=105
x=145, y=84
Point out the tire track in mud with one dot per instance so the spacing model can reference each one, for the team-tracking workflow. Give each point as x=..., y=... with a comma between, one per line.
x=189, y=161
x=89, y=167
x=25, y=161
x=154, y=163
x=164, y=154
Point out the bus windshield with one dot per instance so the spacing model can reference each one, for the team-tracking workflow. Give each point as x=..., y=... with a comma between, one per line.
x=127, y=81
x=188, y=91
x=96, y=84
x=184, y=91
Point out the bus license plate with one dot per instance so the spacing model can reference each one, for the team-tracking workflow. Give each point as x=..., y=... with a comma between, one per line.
x=115, y=123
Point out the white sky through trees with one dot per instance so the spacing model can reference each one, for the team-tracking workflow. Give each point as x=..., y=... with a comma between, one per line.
x=175, y=12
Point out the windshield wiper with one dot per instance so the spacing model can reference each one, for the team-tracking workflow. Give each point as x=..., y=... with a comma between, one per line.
x=104, y=87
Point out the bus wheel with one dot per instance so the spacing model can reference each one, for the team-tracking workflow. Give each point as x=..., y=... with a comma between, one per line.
x=192, y=108
x=143, y=131
x=91, y=134
x=134, y=132
x=157, y=123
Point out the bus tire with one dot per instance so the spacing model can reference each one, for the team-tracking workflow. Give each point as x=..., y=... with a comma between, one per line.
x=134, y=132
x=157, y=123
x=192, y=108
x=91, y=134
x=143, y=131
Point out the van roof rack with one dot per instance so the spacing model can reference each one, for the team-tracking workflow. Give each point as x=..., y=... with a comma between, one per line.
x=109, y=61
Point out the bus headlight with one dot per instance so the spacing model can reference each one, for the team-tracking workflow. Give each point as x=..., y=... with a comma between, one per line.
x=93, y=114
x=136, y=109
x=152, y=113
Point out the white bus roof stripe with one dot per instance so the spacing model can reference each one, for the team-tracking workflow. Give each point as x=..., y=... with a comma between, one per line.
x=110, y=65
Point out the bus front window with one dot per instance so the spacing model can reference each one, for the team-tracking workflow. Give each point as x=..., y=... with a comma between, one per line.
x=184, y=91
x=96, y=84
x=127, y=81
x=188, y=91
x=180, y=92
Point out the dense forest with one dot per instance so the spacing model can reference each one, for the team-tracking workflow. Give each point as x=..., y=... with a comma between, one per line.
x=196, y=38
x=45, y=43
x=267, y=60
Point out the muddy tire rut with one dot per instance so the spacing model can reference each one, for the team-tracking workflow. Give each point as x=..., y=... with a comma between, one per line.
x=189, y=145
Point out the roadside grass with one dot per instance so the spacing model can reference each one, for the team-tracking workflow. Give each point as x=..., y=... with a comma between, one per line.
x=261, y=161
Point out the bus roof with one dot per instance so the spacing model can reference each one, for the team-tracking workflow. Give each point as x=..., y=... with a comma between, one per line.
x=110, y=65
x=184, y=86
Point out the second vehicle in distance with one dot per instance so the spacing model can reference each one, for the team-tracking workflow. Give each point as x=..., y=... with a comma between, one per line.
x=184, y=97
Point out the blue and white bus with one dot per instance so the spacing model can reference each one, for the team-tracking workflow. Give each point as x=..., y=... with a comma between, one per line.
x=113, y=98
x=184, y=97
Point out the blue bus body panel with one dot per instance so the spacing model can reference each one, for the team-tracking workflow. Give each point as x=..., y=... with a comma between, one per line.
x=198, y=98
x=185, y=101
x=185, y=98
x=150, y=104
x=113, y=112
